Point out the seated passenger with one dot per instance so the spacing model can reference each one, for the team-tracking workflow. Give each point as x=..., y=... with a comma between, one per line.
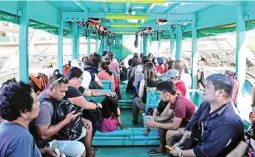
x=45, y=129
x=76, y=93
x=18, y=106
x=173, y=75
x=150, y=80
x=161, y=68
x=87, y=74
x=185, y=77
x=182, y=110
x=111, y=115
x=222, y=129
x=94, y=64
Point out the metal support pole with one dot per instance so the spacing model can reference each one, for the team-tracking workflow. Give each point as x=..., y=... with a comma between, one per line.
x=75, y=44
x=23, y=43
x=194, y=53
x=60, y=47
x=240, y=53
x=178, y=42
x=172, y=44
x=145, y=49
x=88, y=44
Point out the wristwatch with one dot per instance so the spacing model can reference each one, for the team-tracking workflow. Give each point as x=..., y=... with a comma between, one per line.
x=180, y=154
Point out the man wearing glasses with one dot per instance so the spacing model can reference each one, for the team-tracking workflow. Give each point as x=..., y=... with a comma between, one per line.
x=215, y=125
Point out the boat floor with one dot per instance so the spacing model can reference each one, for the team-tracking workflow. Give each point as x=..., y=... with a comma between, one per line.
x=124, y=151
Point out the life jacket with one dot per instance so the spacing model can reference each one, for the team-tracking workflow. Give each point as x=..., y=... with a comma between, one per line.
x=38, y=82
x=66, y=68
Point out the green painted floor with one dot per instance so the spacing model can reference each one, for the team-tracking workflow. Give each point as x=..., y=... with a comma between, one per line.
x=124, y=151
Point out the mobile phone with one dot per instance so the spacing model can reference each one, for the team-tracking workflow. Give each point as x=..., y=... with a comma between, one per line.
x=170, y=148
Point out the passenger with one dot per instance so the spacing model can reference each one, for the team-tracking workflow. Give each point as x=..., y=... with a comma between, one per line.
x=111, y=115
x=160, y=68
x=131, y=77
x=182, y=110
x=150, y=80
x=222, y=129
x=18, y=106
x=179, y=65
x=174, y=75
x=45, y=130
x=108, y=74
x=87, y=75
x=95, y=64
x=170, y=64
x=150, y=55
x=76, y=93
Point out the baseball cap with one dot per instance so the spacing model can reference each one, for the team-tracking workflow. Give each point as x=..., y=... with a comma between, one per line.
x=170, y=74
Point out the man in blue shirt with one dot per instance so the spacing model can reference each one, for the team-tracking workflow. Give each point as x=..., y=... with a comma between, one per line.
x=221, y=129
x=18, y=106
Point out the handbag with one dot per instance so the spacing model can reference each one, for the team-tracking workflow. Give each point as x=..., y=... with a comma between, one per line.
x=73, y=130
x=93, y=114
x=93, y=84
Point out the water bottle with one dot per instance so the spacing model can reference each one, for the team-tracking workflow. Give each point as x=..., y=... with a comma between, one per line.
x=146, y=119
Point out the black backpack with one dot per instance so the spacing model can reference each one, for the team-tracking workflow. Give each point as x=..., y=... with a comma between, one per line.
x=93, y=84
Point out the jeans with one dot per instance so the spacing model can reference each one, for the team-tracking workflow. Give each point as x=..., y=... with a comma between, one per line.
x=69, y=148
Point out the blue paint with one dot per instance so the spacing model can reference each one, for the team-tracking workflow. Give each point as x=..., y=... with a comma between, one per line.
x=172, y=52
x=75, y=44
x=194, y=53
x=60, y=47
x=96, y=43
x=23, y=43
x=178, y=42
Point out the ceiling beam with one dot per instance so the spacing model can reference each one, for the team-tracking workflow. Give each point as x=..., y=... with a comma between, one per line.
x=103, y=15
x=105, y=7
x=81, y=5
x=127, y=7
x=150, y=8
x=173, y=7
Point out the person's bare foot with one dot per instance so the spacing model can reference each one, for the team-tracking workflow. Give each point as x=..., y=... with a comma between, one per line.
x=146, y=132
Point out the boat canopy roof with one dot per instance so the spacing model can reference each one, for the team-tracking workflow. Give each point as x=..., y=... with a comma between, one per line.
x=152, y=17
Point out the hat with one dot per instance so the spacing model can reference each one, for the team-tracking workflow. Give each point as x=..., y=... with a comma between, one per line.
x=170, y=74
x=160, y=60
x=77, y=63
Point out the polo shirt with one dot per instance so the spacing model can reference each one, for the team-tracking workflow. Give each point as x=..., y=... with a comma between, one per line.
x=222, y=130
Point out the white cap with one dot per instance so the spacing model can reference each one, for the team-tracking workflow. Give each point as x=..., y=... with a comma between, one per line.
x=77, y=63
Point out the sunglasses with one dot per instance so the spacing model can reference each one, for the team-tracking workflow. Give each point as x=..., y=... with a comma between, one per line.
x=62, y=78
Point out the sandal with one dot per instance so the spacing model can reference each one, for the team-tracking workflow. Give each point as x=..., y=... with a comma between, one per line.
x=155, y=152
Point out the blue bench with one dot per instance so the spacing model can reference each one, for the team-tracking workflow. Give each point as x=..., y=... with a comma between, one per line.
x=130, y=136
x=152, y=99
x=108, y=85
x=97, y=99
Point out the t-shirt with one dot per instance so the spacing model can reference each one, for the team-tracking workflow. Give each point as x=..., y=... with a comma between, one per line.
x=161, y=69
x=103, y=75
x=16, y=141
x=183, y=108
x=87, y=79
x=73, y=92
x=46, y=111
x=186, y=78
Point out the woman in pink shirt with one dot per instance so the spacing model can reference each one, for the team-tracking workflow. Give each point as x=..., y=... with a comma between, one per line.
x=105, y=74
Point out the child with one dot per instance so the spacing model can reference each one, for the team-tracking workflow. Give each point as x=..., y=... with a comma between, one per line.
x=111, y=115
x=159, y=115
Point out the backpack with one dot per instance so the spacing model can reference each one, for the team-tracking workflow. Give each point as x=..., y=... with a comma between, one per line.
x=93, y=84
x=38, y=82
